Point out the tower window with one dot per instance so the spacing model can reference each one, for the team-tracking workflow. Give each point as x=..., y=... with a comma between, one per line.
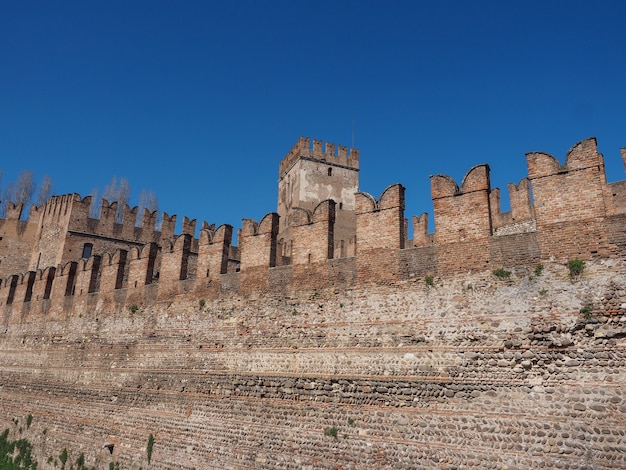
x=87, y=249
x=330, y=172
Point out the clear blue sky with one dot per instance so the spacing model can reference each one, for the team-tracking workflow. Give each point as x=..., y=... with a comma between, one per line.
x=199, y=101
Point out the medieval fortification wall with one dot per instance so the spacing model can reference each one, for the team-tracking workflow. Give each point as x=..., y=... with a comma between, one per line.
x=404, y=354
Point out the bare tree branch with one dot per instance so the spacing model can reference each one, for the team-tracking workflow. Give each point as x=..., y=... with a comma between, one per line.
x=8, y=197
x=24, y=189
x=44, y=192
x=147, y=200
x=94, y=208
x=123, y=198
x=110, y=191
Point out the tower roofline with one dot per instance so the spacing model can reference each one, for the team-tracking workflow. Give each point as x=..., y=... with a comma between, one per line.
x=331, y=154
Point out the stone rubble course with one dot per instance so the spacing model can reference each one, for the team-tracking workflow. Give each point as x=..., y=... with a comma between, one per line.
x=454, y=381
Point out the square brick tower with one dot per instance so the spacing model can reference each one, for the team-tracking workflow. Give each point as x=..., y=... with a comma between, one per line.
x=308, y=176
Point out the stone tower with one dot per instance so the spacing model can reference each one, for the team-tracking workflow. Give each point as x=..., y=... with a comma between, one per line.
x=308, y=176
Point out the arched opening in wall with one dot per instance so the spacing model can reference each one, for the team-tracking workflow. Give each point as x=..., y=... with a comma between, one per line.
x=29, y=286
x=330, y=172
x=87, y=250
x=49, y=280
x=94, y=278
x=12, y=288
x=71, y=279
x=340, y=205
x=281, y=244
x=120, y=275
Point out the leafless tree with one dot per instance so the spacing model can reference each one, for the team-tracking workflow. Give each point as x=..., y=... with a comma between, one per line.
x=94, y=208
x=123, y=198
x=6, y=198
x=22, y=191
x=44, y=192
x=110, y=191
x=147, y=200
x=120, y=193
x=25, y=188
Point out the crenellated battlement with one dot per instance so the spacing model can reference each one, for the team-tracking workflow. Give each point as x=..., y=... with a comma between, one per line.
x=14, y=211
x=329, y=153
x=581, y=156
x=559, y=212
x=474, y=337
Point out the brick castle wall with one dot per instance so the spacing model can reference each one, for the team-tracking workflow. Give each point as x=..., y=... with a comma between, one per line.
x=470, y=371
x=412, y=350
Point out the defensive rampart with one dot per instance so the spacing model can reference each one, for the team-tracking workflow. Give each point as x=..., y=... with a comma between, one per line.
x=495, y=341
x=573, y=213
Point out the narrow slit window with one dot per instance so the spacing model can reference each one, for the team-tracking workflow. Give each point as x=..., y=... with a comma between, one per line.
x=87, y=249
